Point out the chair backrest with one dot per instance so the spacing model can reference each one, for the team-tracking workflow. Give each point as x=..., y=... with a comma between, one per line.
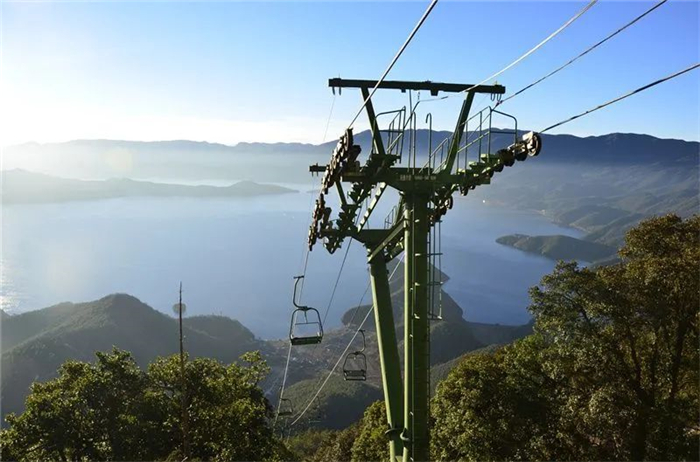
x=355, y=366
x=306, y=327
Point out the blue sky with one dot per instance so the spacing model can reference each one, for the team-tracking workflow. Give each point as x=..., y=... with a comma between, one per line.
x=233, y=71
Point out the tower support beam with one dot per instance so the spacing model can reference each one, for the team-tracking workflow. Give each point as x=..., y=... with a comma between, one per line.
x=388, y=352
x=433, y=87
x=416, y=433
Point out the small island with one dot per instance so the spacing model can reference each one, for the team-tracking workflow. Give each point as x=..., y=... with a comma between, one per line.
x=24, y=187
x=559, y=247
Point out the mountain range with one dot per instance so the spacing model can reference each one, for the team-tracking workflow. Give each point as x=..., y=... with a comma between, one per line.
x=600, y=185
x=288, y=162
x=34, y=345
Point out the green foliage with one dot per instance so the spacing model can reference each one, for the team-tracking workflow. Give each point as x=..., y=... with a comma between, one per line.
x=36, y=343
x=339, y=404
x=371, y=442
x=112, y=410
x=340, y=448
x=610, y=373
x=306, y=444
x=492, y=406
x=334, y=445
x=362, y=441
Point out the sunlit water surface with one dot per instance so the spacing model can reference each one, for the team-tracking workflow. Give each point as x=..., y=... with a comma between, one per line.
x=237, y=257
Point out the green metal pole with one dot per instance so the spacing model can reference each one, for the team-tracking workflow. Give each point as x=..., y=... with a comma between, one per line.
x=457, y=136
x=388, y=352
x=407, y=434
x=416, y=361
x=374, y=127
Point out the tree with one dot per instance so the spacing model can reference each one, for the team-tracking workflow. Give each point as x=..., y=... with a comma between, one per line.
x=228, y=412
x=495, y=407
x=371, y=442
x=338, y=446
x=365, y=440
x=112, y=410
x=89, y=411
x=610, y=373
x=626, y=336
x=306, y=444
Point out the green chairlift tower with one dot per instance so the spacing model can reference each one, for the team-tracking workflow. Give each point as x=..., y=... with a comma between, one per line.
x=425, y=195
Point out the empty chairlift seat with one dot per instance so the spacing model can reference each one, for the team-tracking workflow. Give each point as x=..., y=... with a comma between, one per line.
x=285, y=408
x=306, y=327
x=355, y=365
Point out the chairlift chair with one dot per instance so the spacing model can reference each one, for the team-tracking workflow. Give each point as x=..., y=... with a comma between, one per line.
x=285, y=408
x=306, y=327
x=355, y=365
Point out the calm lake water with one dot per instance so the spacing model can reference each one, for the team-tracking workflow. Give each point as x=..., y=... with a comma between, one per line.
x=237, y=257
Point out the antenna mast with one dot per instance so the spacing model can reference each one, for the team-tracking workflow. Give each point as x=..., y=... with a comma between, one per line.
x=179, y=308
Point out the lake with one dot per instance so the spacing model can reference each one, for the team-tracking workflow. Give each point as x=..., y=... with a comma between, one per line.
x=237, y=257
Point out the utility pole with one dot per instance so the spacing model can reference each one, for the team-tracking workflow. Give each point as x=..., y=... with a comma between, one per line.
x=179, y=308
x=425, y=195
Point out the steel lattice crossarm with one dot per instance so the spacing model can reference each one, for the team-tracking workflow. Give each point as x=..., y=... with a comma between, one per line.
x=379, y=168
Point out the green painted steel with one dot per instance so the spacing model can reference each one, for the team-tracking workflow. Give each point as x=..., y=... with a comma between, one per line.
x=426, y=195
x=388, y=352
x=376, y=136
x=409, y=371
x=459, y=129
x=416, y=328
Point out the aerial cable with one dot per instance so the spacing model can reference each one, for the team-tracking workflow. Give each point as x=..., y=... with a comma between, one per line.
x=337, y=281
x=284, y=382
x=354, y=314
x=311, y=201
x=328, y=121
x=306, y=264
x=539, y=45
x=381, y=79
x=527, y=53
x=328, y=307
x=588, y=50
x=620, y=98
x=342, y=355
x=396, y=58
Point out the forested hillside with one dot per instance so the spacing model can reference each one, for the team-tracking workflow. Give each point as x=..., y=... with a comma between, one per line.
x=609, y=373
x=113, y=409
x=36, y=343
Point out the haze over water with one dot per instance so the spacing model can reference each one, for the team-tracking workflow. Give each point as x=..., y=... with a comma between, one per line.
x=237, y=257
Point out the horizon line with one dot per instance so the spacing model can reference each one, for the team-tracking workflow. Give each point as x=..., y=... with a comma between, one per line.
x=180, y=140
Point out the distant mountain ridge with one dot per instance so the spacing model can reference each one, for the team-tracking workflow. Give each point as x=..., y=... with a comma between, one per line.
x=20, y=186
x=36, y=343
x=288, y=162
x=638, y=145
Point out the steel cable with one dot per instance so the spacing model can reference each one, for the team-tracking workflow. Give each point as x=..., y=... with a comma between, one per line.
x=581, y=55
x=620, y=98
x=342, y=355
